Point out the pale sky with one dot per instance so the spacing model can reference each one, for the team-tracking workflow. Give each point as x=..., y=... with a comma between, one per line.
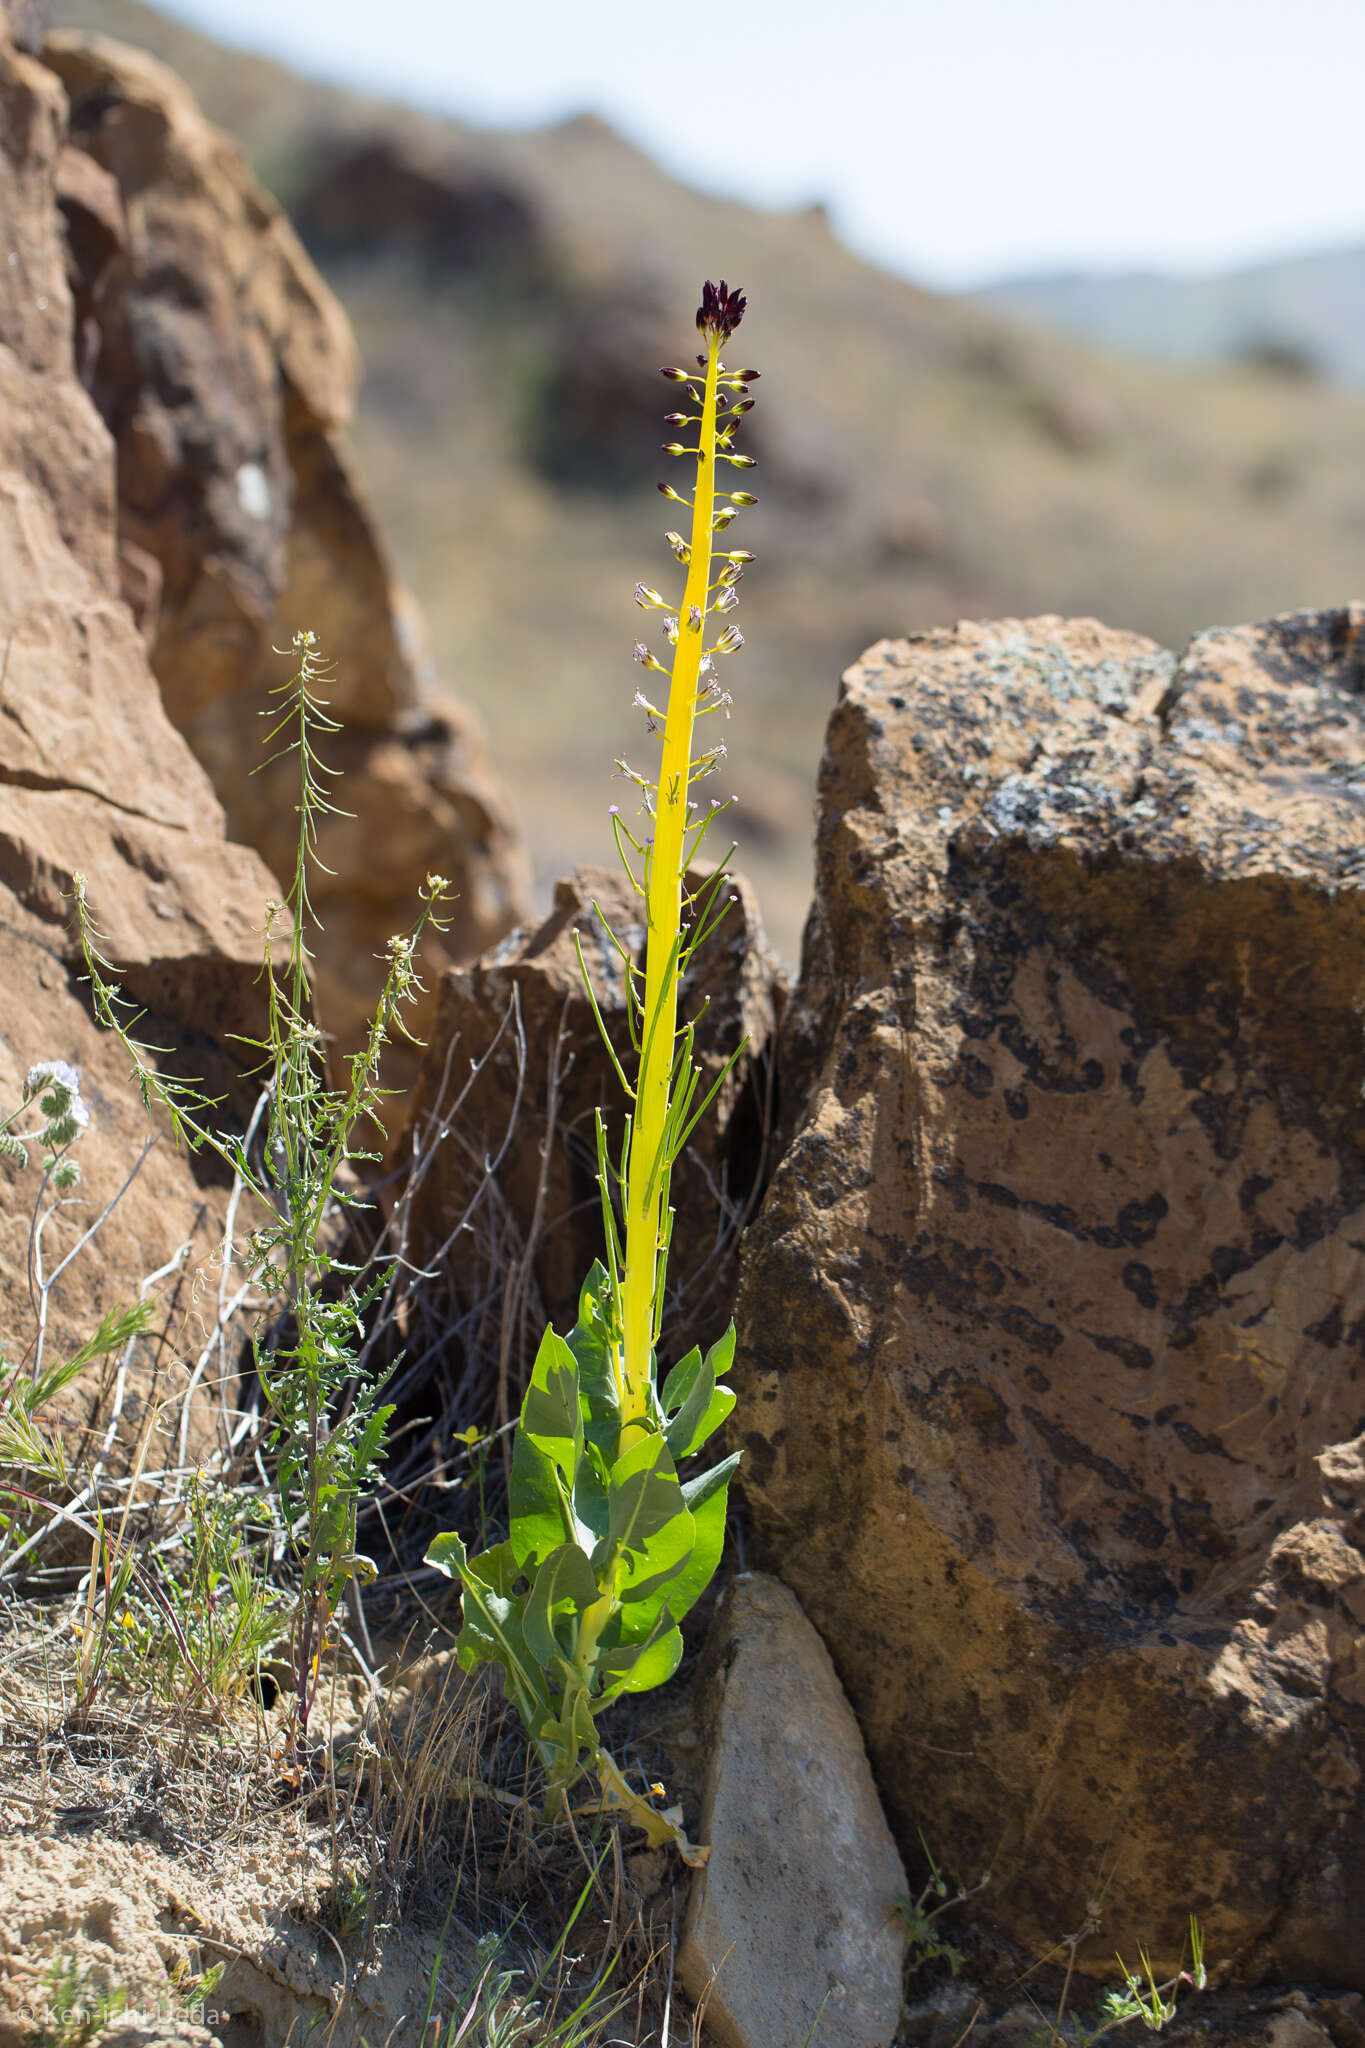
x=953, y=140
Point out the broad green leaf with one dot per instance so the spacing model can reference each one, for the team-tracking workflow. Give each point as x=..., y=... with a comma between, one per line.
x=697, y=1491
x=681, y=1381
x=497, y=1567
x=542, y=1518
x=563, y=1585
x=492, y=1631
x=698, y=1569
x=590, y=1342
x=590, y=1493
x=645, y=1583
x=644, y=1497
x=695, y=1405
x=551, y=1412
x=638, y=1667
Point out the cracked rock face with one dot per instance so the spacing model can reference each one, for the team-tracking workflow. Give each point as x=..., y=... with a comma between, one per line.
x=225, y=371
x=94, y=777
x=1051, y=1325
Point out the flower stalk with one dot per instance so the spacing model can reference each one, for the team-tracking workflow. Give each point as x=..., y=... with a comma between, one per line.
x=609, y=1547
x=650, y=1153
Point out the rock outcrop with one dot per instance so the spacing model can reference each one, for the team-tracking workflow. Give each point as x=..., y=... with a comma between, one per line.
x=1050, y=1328
x=363, y=195
x=225, y=371
x=523, y=1017
x=93, y=777
x=795, y=1928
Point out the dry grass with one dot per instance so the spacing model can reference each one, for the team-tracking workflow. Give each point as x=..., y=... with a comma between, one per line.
x=414, y=1809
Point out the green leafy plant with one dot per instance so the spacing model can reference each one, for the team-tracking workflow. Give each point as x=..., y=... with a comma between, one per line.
x=1140, y=1997
x=52, y=1116
x=52, y=1092
x=78, y=2008
x=609, y=1547
x=327, y=1419
x=197, y=1623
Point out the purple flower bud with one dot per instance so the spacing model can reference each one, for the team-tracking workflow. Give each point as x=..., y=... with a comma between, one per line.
x=675, y=419
x=674, y=376
x=675, y=448
x=743, y=498
x=720, y=311
x=667, y=491
x=613, y=810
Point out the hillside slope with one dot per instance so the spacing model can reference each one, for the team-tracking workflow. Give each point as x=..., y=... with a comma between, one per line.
x=1312, y=306
x=922, y=458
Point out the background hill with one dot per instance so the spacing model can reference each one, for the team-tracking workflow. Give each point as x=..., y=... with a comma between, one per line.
x=1304, y=310
x=922, y=458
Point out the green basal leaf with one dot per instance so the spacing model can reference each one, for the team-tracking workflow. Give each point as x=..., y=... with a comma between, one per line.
x=493, y=1631
x=638, y=1667
x=591, y=1508
x=680, y=1382
x=699, y=1568
x=694, y=1404
x=696, y=1491
x=551, y=1412
x=590, y=1342
x=644, y=1497
x=542, y=1516
x=564, y=1585
x=645, y=1583
x=497, y=1567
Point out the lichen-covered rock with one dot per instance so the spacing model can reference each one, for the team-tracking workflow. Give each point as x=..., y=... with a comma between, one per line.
x=1050, y=1329
x=795, y=1927
x=523, y=1016
x=226, y=371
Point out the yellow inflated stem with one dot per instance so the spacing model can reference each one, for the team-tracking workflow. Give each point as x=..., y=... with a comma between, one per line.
x=645, y=1179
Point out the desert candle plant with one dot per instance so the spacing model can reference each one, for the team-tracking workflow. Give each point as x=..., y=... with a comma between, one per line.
x=609, y=1546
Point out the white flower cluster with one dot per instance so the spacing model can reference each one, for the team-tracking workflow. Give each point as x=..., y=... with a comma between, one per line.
x=55, y=1087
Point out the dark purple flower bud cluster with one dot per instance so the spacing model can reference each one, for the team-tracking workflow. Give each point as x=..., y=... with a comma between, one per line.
x=720, y=311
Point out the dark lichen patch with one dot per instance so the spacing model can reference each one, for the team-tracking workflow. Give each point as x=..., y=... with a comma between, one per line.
x=1137, y=1357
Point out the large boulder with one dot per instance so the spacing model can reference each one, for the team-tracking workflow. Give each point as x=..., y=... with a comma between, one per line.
x=1051, y=1325
x=93, y=777
x=226, y=372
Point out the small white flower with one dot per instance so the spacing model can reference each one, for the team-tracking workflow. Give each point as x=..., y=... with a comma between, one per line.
x=60, y=1071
